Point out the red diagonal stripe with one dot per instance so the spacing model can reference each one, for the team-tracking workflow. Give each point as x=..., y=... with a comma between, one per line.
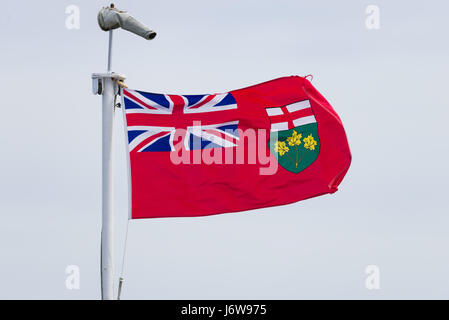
x=209, y=98
x=131, y=96
x=148, y=140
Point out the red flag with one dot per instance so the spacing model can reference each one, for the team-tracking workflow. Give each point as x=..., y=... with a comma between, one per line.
x=266, y=145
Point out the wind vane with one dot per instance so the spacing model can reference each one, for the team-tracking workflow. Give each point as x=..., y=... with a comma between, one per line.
x=108, y=85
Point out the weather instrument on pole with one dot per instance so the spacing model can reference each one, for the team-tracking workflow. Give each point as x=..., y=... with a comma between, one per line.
x=110, y=18
x=108, y=86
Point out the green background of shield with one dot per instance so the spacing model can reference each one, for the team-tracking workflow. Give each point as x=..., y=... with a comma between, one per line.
x=306, y=157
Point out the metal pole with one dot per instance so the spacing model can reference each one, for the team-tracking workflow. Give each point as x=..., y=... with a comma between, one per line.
x=110, y=51
x=107, y=226
x=107, y=191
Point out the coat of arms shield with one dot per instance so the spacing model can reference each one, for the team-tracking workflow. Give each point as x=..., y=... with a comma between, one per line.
x=294, y=136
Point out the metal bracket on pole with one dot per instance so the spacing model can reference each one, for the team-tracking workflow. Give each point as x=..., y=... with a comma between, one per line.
x=98, y=82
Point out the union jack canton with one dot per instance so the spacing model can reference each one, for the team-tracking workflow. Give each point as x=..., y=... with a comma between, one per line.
x=156, y=122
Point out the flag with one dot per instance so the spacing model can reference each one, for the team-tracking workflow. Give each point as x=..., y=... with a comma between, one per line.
x=270, y=144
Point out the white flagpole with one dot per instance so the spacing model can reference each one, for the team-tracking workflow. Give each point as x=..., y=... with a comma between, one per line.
x=107, y=226
x=105, y=84
x=110, y=51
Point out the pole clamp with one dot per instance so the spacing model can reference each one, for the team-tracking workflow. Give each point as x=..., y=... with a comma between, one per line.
x=99, y=78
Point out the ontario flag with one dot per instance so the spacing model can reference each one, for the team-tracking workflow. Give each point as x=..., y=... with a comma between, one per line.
x=266, y=145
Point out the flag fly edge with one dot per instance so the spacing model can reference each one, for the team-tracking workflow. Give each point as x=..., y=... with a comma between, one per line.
x=319, y=99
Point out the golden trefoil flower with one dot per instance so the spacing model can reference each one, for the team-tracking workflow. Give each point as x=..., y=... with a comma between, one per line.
x=309, y=142
x=281, y=147
x=295, y=139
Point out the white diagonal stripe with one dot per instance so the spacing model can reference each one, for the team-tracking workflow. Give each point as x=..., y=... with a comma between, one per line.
x=210, y=106
x=147, y=101
x=216, y=139
x=137, y=140
x=215, y=127
x=151, y=131
x=201, y=100
x=212, y=102
x=153, y=141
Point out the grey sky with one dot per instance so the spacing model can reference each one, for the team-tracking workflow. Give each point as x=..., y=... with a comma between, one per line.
x=389, y=86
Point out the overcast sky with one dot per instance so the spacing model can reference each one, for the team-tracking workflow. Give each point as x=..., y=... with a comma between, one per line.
x=388, y=85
